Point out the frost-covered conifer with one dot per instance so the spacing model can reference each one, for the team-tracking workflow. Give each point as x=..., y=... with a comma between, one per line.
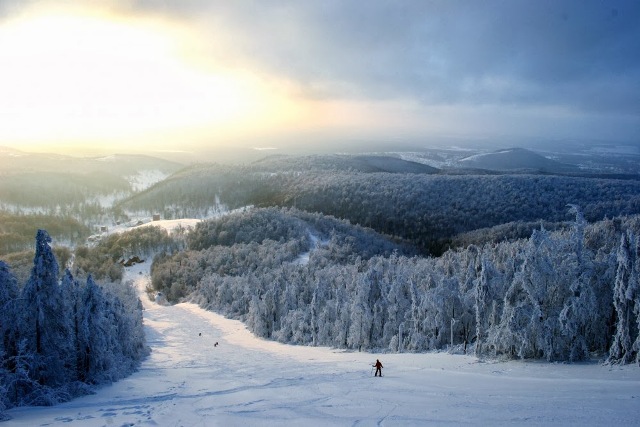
x=71, y=287
x=482, y=295
x=8, y=339
x=529, y=325
x=579, y=307
x=633, y=296
x=60, y=334
x=8, y=295
x=360, y=325
x=45, y=324
x=95, y=335
x=620, y=350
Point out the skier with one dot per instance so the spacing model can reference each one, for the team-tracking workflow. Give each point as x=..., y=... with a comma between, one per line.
x=378, y=367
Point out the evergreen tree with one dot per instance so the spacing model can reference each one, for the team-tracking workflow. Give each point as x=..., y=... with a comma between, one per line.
x=620, y=351
x=95, y=335
x=633, y=296
x=482, y=295
x=72, y=289
x=580, y=307
x=8, y=295
x=56, y=336
x=45, y=322
x=8, y=339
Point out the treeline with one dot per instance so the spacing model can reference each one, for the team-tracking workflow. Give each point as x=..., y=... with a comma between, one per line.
x=54, y=190
x=427, y=210
x=17, y=231
x=504, y=232
x=22, y=262
x=561, y=296
x=192, y=192
x=59, y=336
x=257, y=241
x=105, y=259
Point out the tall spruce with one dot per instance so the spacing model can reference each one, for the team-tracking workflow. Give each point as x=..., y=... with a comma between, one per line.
x=580, y=305
x=8, y=301
x=620, y=351
x=8, y=339
x=46, y=324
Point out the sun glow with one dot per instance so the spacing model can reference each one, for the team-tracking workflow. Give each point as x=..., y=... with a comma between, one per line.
x=82, y=78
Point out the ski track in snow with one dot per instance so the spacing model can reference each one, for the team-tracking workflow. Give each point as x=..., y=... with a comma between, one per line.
x=246, y=381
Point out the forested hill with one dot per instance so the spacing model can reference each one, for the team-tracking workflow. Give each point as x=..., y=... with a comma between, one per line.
x=51, y=182
x=337, y=162
x=516, y=159
x=306, y=279
x=17, y=162
x=426, y=210
x=256, y=241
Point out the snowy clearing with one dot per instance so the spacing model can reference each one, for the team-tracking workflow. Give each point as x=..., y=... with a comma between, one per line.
x=245, y=381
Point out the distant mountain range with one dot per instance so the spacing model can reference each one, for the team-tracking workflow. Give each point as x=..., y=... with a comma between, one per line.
x=367, y=163
x=45, y=179
x=14, y=161
x=515, y=159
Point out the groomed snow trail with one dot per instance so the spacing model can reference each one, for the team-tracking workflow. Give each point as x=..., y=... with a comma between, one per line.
x=246, y=381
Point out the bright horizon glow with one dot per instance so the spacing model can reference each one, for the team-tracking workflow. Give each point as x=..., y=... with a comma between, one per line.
x=72, y=78
x=122, y=76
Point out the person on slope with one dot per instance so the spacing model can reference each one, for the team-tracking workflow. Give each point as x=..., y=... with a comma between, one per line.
x=378, y=367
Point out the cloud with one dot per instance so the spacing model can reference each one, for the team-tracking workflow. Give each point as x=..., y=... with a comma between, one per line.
x=581, y=55
x=522, y=67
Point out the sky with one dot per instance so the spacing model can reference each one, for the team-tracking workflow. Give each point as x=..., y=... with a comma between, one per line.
x=174, y=75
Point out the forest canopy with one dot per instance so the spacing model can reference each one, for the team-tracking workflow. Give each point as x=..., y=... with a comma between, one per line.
x=563, y=295
x=426, y=210
x=60, y=336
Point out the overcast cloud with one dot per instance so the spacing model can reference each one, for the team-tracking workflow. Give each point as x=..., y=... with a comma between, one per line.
x=577, y=61
x=582, y=55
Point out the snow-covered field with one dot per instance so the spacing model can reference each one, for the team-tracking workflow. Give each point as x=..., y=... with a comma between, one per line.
x=245, y=381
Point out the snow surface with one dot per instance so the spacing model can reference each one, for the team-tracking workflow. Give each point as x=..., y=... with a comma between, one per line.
x=303, y=258
x=247, y=381
x=146, y=178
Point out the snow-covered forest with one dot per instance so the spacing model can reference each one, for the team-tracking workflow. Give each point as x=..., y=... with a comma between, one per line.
x=329, y=251
x=188, y=380
x=60, y=336
x=425, y=209
x=561, y=296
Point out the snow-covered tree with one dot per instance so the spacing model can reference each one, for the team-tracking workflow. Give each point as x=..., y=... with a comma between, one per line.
x=633, y=294
x=8, y=296
x=8, y=339
x=56, y=336
x=621, y=348
x=96, y=335
x=45, y=321
x=482, y=297
x=529, y=325
x=361, y=317
x=579, y=310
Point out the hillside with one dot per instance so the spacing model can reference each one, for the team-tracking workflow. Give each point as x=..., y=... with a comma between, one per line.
x=188, y=380
x=43, y=181
x=67, y=188
x=259, y=241
x=16, y=162
x=368, y=163
x=426, y=210
x=515, y=159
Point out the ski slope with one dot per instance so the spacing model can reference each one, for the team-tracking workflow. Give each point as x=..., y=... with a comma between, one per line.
x=246, y=381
